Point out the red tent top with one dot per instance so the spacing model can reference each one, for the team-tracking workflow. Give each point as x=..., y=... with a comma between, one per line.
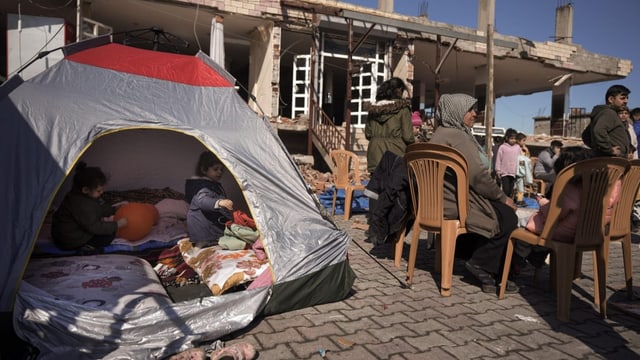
x=183, y=69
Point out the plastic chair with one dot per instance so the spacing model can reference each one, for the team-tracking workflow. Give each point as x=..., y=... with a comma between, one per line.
x=427, y=164
x=619, y=228
x=598, y=176
x=345, y=163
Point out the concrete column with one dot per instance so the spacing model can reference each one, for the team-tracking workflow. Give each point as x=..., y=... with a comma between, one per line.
x=261, y=65
x=385, y=5
x=480, y=86
x=564, y=24
x=404, y=69
x=486, y=14
x=560, y=106
x=276, y=37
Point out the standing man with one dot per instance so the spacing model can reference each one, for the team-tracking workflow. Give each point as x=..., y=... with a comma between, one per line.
x=606, y=134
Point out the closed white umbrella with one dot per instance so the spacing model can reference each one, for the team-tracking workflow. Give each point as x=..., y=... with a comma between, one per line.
x=216, y=46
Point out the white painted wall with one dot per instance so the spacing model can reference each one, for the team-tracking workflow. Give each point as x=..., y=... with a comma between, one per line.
x=29, y=35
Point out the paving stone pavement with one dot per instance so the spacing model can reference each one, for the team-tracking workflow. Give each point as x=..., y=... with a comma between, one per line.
x=381, y=319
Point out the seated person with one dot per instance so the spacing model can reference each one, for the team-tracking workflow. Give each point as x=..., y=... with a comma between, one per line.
x=209, y=208
x=492, y=214
x=568, y=219
x=544, y=169
x=79, y=222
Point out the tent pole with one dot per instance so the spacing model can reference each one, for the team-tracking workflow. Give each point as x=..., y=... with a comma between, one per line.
x=79, y=20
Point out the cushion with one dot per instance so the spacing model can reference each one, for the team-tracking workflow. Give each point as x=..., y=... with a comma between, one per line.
x=173, y=208
x=222, y=269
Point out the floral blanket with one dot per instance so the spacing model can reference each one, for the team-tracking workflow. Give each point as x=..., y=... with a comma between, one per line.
x=221, y=269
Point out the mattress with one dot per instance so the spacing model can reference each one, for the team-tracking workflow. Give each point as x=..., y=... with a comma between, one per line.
x=112, y=282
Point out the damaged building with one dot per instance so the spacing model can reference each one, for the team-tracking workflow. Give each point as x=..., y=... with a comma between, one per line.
x=310, y=66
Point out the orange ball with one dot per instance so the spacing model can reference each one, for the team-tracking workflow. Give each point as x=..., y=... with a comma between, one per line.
x=155, y=215
x=139, y=221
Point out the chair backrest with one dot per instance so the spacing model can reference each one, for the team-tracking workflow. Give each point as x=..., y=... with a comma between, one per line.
x=597, y=177
x=427, y=164
x=621, y=218
x=345, y=162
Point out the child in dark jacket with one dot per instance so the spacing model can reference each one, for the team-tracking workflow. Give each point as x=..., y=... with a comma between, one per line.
x=79, y=222
x=209, y=208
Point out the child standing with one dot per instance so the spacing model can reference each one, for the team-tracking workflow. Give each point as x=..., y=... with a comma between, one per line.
x=524, y=173
x=209, y=209
x=79, y=222
x=507, y=161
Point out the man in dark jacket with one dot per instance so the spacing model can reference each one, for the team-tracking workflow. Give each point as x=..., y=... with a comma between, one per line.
x=606, y=134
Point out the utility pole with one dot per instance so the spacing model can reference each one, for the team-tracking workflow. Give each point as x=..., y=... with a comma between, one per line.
x=347, y=98
x=488, y=109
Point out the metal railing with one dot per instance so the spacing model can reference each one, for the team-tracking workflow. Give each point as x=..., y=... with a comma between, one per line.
x=323, y=128
x=92, y=28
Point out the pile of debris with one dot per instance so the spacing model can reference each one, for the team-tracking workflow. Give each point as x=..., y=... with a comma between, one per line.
x=319, y=181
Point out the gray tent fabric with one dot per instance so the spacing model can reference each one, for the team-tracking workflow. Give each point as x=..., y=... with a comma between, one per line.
x=50, y=120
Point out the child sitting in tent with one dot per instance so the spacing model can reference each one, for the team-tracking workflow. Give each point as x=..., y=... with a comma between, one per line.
x=209, y=208
x=79, y=222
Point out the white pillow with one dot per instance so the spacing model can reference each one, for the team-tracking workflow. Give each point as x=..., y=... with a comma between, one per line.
x=173, y=208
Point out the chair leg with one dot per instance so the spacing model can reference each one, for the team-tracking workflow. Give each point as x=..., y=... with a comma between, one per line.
x=628, y=269
x=601, y=279
x=448, y=247
x=413, y=252
x=397, y=254
x=348, y=195
x=577, y=270
x=596, y=283
x=333, y=204
x=564, y=281
x=507, y=266
x=437, y=242
x=553, y=271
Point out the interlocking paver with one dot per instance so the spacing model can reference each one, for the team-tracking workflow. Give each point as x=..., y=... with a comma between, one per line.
x=464, y=335
x=469, y=350
x=547, y=353
x=395, y=346
x=319, y=331
x=502, y=346
x=382, y=319
x=392, y=332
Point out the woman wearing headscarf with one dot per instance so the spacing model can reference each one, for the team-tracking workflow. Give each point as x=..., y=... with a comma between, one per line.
x=388, y=126
x=492, y=214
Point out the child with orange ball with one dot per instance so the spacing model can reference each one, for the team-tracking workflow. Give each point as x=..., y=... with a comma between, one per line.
x=79, y=223
x=209, y=208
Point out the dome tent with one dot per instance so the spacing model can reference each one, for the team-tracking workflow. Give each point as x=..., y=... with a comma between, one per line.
x=101, y=88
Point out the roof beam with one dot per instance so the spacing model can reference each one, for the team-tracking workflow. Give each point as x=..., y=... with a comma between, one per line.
x=430, y=29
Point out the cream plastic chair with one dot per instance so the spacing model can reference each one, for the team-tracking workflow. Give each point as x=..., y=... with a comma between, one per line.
x=345, y=164
x=620, y=226
x=426, y=165
x=598, y=176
